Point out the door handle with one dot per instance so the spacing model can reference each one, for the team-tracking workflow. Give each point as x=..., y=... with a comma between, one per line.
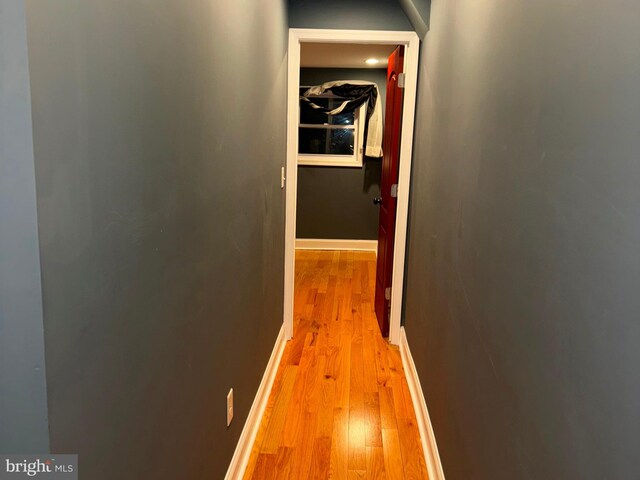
x=377, y=200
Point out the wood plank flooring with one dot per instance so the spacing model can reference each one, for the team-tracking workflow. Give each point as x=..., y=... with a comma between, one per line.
x=340, y=407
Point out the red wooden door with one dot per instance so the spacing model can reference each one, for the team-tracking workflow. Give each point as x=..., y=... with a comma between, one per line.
x=388, y=187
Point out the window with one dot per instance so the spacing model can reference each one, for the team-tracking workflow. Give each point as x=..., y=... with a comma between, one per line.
x=330, y=140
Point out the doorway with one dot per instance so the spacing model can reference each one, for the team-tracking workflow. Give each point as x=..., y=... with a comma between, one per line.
x=410, y=45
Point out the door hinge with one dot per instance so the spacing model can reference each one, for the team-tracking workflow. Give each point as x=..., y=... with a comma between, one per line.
x=401, y=80
x=394, y=190
x=387, y=293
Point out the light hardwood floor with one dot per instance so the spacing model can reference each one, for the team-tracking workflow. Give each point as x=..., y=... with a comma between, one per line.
x=340, y=407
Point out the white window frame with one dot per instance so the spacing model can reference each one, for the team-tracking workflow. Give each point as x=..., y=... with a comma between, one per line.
x=355, y=160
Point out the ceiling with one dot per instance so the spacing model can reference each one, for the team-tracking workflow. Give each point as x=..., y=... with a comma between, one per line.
x=343, y=55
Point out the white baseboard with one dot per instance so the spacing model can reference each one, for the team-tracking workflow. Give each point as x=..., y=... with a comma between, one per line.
x=429, y=446
x=336, y=244
x=248, y=436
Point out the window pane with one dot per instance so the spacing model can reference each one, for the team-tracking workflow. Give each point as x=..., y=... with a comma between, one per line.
x=322, y=141
x=309, y=115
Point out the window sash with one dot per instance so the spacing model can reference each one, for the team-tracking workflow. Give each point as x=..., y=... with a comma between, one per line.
x=338, y=160
x=327, y=126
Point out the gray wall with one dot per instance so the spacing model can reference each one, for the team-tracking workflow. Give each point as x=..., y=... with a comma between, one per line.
x=23, y=403
x=335, y=202
x=348, y=14
x=161, y=224
x=522, y=310
x=418, y=12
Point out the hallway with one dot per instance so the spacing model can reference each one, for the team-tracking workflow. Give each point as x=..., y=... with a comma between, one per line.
x=340, y=406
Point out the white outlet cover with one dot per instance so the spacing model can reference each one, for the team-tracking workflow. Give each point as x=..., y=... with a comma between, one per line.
x=229, y=407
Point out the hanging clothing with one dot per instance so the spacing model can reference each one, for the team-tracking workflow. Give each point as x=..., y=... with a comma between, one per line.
x=356, y=94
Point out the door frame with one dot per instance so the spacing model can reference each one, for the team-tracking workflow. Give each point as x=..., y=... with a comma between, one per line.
x=411, y=42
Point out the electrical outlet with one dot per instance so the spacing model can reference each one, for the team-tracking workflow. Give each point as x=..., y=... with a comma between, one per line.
x=229, y=407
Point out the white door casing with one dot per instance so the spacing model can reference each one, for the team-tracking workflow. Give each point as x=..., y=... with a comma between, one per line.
x=411, y=43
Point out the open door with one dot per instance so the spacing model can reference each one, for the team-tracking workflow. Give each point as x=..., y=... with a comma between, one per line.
x=389, y=187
